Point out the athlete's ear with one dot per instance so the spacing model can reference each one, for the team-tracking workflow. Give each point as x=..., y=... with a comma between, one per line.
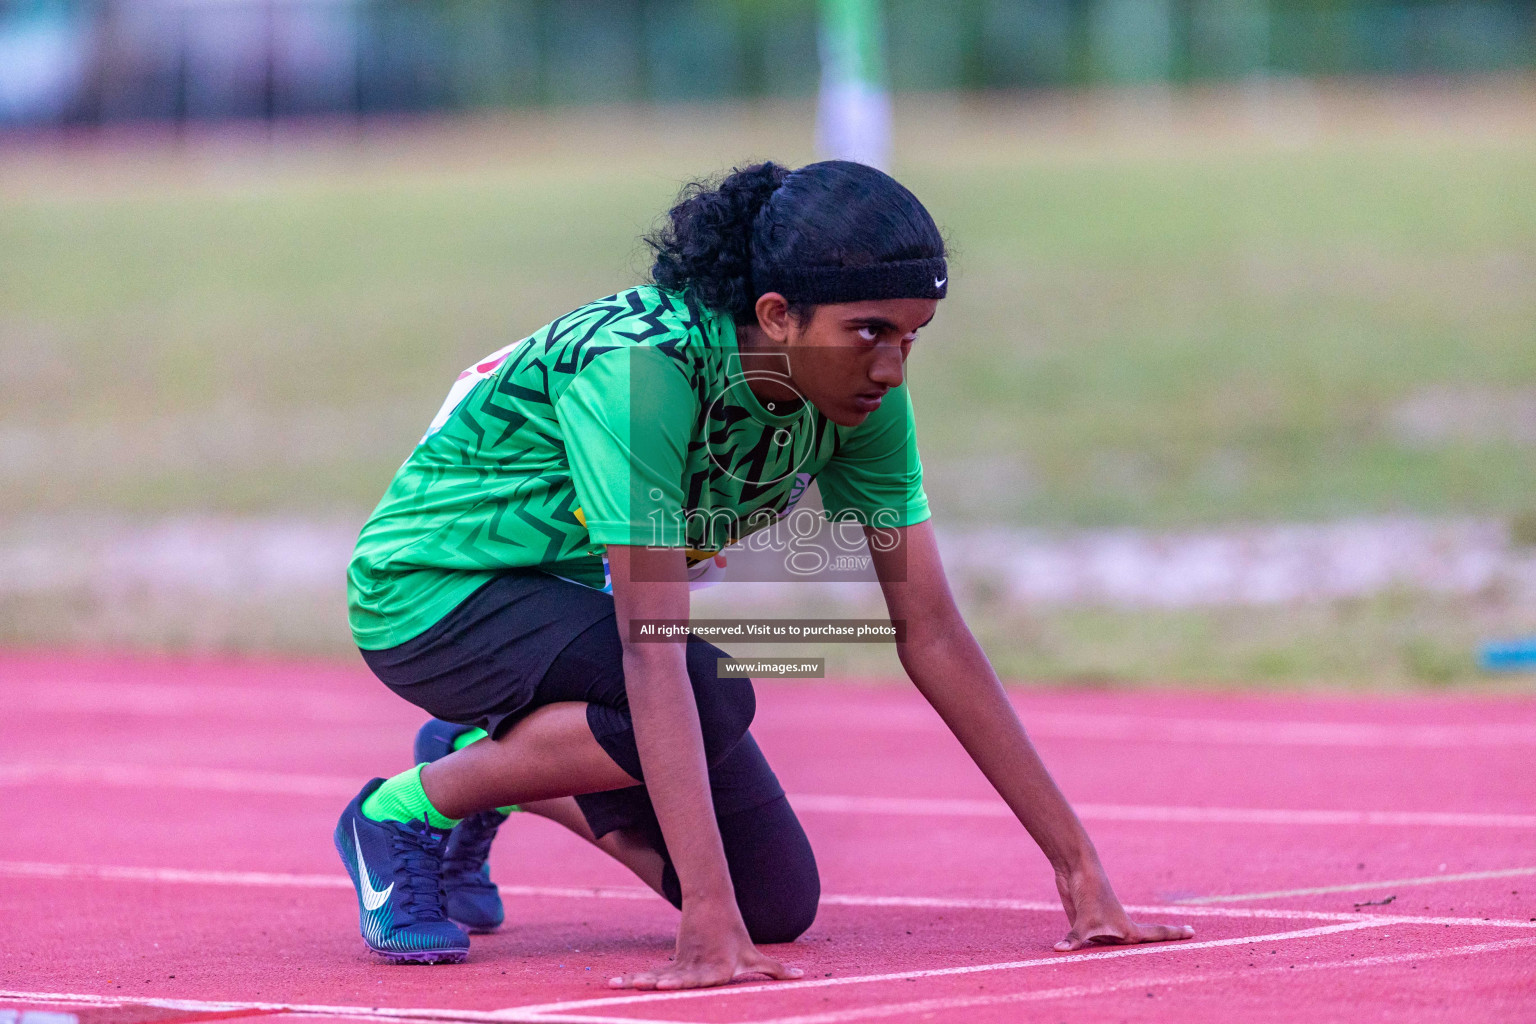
x=773, y=316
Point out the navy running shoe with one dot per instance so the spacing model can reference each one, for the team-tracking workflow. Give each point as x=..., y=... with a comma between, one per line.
x=396, y=868
x=469, y=894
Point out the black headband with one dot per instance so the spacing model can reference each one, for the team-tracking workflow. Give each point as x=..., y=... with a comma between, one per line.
x=899, y=279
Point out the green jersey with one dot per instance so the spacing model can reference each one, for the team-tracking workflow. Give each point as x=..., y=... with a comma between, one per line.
x=627, y=421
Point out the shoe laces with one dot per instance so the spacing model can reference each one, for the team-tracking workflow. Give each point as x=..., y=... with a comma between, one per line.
x=418, y=860
x=471, y=844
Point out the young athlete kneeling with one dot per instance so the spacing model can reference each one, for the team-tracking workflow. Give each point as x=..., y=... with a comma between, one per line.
x=555, y=500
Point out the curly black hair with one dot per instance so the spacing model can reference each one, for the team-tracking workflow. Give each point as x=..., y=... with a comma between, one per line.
x=722, y=234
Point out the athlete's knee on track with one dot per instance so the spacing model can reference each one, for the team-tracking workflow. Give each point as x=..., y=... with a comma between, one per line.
x=778, y=887
x=726, y=706
x=784, y=915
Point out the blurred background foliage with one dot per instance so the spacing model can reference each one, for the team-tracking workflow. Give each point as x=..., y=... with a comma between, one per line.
x=95, y=60
x=1163, y=316
x=1200, y=284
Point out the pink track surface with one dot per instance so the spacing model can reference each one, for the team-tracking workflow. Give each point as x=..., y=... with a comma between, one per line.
x=167, y=857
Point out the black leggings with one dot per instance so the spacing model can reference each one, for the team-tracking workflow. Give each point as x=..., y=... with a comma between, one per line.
x=485, y=665
x=772, y=867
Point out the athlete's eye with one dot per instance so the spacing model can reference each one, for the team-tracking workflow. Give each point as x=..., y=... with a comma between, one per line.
x=869, y=333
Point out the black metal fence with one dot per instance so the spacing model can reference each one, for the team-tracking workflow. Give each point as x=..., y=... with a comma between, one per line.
x=103, y=60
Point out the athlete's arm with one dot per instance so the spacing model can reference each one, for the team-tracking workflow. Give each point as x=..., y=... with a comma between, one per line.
x=948, y=666
x=712, y=943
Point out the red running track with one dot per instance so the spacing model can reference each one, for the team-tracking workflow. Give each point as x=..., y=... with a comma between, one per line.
x=167, y=858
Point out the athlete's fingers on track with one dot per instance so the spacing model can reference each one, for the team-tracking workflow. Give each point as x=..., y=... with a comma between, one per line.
x=773, y=968
x=701, y=977
x=1163, y=932
x=705, y=975
x=695, y=976
x=1136, y=933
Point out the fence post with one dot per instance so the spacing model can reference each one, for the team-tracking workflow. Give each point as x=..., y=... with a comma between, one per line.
x=853, y=117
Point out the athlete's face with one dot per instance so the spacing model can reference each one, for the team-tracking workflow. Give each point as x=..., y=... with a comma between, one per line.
x=846, y=356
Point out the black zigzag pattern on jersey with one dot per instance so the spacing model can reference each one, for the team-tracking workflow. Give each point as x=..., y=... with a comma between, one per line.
x=497, y=402
x=578, y=352
x=693, y=313
x=677, y=347
x=555, y=534
x=650, y=317
x=694, y=496
x=564, y=511
x=517, y=505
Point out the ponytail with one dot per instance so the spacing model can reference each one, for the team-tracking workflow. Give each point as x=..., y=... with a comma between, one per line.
x=705, y=247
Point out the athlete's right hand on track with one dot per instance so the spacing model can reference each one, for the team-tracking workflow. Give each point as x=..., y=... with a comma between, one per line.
x=1097, y=919
x=713, y=948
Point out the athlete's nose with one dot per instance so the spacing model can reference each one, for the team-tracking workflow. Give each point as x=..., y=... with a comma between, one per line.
x=887, y=368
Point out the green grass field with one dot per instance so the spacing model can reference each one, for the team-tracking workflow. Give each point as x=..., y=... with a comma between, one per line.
x=1193, y=311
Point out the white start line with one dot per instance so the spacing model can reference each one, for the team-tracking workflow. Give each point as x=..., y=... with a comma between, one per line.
x=224, y=780
x=266, y=879
x=564, y=1012
x=1147, y=983
x=1391, y=883
x=53, y=694
x=580, y=1011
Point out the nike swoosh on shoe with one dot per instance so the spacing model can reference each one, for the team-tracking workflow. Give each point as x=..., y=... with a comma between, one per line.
x=373, y=899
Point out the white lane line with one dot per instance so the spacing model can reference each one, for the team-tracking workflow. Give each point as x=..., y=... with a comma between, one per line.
x=49, y=693
x=1280, y=734
x=534, y=1012
x=217, y=1006
x=386, y=1015
x=943, y=1005
x=1135, y=728
x=1266, y=816
x=286, y=784
x=833, y=1017
x=584, y=1018
x=263, y=879
x=1392, y=883
x=172, y=876
x=917, y=806
x=1176, y=911
x=222, y=780
x=260, y=879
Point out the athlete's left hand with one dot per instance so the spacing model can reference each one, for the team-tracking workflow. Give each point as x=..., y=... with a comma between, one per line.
x=1098, y=919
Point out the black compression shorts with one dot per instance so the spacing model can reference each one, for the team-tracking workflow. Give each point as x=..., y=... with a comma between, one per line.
x=527, y=639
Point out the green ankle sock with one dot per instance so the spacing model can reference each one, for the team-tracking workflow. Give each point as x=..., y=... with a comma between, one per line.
x=463, y=740
x=402, y=799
